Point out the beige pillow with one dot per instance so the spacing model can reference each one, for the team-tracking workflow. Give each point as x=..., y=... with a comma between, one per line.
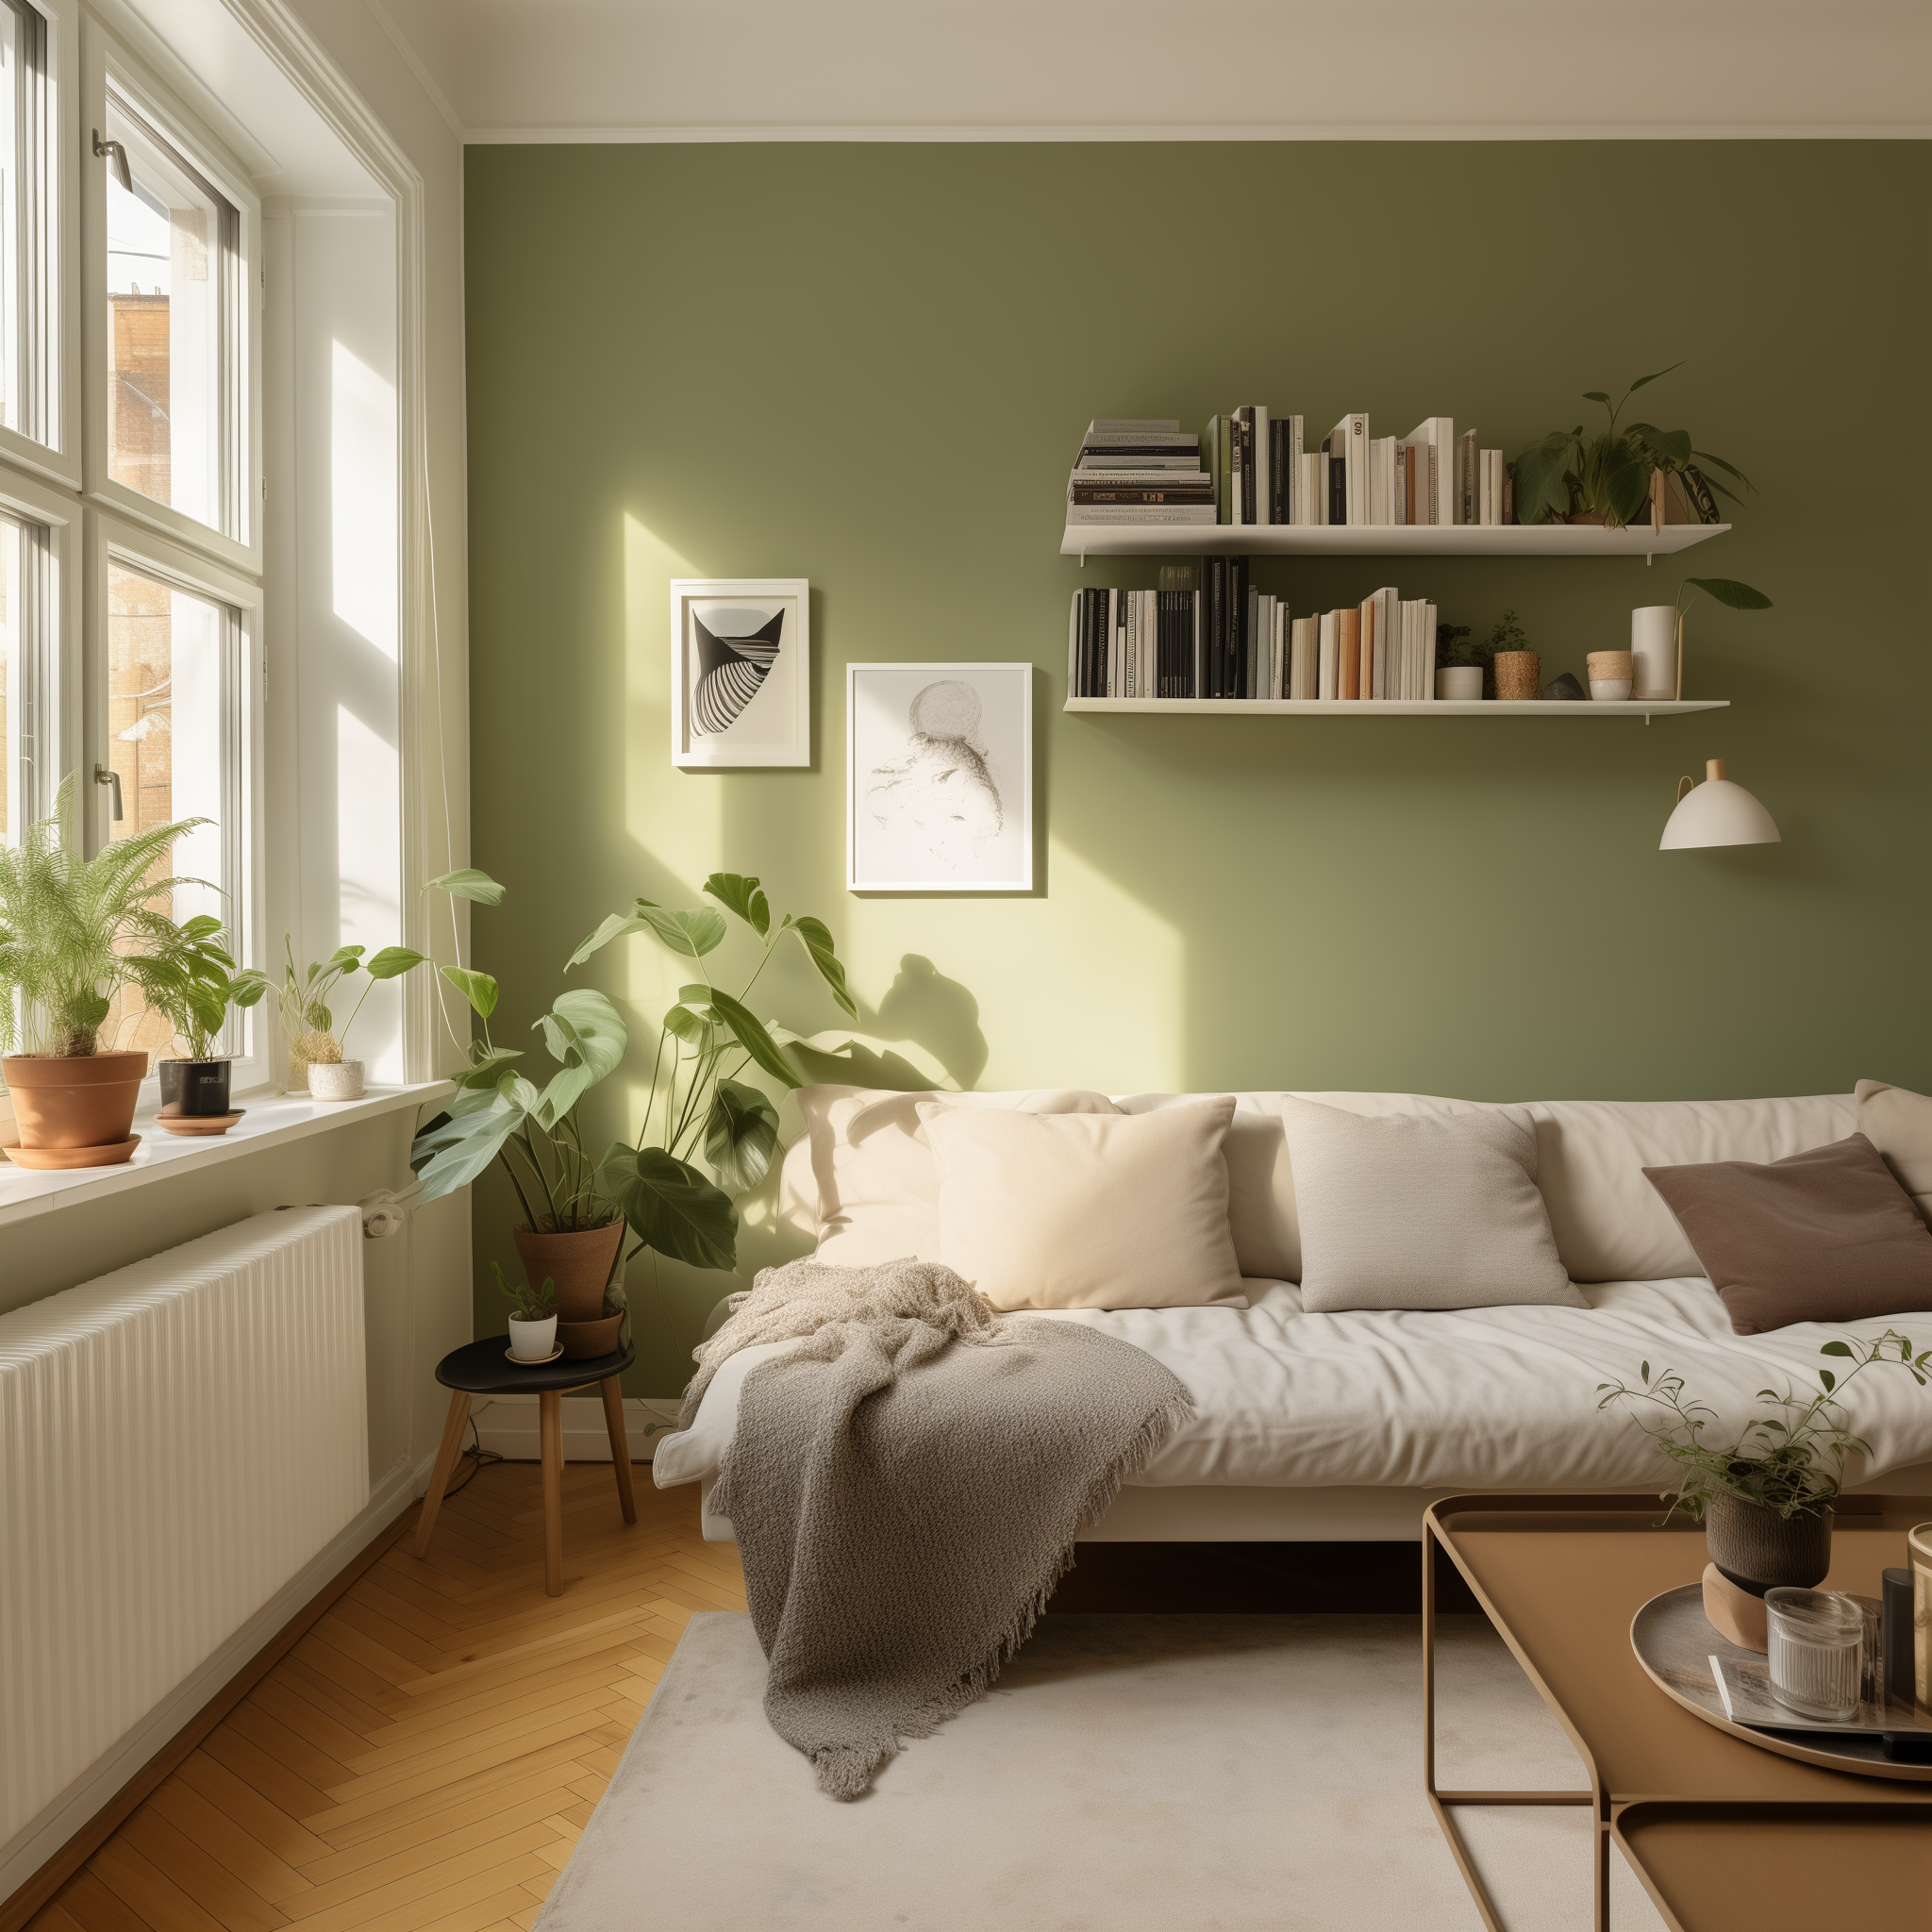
x=1409, y=1211
x=878, y=1195
x=1899, y=1123
x=1086, y=1211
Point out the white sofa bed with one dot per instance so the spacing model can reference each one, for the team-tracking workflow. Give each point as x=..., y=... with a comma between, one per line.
x=1343, y=1426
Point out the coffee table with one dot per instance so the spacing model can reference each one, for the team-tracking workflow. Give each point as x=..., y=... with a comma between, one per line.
x=1722, y=1834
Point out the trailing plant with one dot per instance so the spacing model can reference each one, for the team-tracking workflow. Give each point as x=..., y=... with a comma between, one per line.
x=307, y=1022
x=1792, y=1460
x=531, y=1304
x=199, y=982
x=1608, y=475
x=695, y=1105
x=74, y=930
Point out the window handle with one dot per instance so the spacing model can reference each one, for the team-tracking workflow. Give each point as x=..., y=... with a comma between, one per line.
x=116, y=157
x=104, y=777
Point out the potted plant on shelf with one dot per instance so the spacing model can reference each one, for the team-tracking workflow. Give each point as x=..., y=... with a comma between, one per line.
x=1456, y=650
x=308, y=1026
x=574, y=1203
x=1657, y=632
x=533, y=1323
x=195, y=988
x=1606, y=478
x=1765, y=1499
x=73, y=932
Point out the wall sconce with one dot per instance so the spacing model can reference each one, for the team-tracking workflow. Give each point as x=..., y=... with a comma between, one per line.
x=1716, y=813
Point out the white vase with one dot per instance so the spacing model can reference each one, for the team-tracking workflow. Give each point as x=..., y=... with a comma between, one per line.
x=1654, y=651
x=335, y=1079
x=1459, y=681
x=533, y=1341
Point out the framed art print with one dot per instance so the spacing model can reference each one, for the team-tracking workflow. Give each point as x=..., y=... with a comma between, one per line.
x=939, y=777
x=741, y=671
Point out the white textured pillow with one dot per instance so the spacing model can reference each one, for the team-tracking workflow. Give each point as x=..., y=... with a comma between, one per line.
x=1409, y=1211
x=1087, y=1210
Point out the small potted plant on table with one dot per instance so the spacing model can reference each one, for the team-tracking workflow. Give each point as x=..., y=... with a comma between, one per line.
x=533, y=1323
x=308, y=1026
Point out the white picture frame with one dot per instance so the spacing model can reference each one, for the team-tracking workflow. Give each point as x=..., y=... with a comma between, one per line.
x=740, y=683
x=939, y=777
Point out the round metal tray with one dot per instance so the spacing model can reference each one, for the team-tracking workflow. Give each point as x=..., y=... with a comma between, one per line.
x=1674, y=1642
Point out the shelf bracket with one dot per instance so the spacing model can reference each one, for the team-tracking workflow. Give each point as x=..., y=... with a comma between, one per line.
x=1648, y=559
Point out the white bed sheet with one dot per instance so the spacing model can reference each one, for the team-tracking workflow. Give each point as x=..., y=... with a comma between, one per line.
x=1477, y=1398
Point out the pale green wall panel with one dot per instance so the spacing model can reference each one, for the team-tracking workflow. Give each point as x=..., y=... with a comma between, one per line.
x=870, y=365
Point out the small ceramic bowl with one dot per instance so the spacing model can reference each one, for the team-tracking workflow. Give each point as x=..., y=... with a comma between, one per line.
x=1612, y=689
x=335, y=1079
x=1459, y=681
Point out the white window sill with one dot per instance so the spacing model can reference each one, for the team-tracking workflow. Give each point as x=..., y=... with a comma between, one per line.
x=267, y=1122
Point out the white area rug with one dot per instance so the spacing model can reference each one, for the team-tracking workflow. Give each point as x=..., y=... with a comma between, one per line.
x=1198, y=1773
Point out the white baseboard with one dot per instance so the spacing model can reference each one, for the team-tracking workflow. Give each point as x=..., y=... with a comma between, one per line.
x=508, y=1424
x=29, y=1848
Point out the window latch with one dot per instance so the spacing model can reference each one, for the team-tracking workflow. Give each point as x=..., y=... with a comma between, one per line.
x=104, y=777
x=116, y=157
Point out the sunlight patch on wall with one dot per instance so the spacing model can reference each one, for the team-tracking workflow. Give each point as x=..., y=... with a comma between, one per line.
x=368, y=811
x=362, y=490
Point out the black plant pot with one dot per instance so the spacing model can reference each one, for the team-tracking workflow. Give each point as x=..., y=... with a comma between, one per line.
x=1760, y=1549
x=198, y=1089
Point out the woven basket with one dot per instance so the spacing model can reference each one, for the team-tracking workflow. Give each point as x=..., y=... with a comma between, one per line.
x=1519, y=674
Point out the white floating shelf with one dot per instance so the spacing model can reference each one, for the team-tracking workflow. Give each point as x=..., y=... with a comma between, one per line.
x=1381, y=540
x=1401, y=707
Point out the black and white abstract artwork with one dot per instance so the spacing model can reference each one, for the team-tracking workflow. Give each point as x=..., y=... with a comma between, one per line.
x=741, y=671
x=940, y=778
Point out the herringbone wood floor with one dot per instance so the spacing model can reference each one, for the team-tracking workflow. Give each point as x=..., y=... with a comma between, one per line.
x=425, y=1758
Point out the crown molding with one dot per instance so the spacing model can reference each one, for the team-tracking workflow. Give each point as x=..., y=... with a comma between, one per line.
x=413, y=60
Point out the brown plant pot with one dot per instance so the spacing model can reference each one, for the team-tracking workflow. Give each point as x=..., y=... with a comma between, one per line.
x=1758, y=1549
x=87, y=1101
x=1519, y=673
x=585, y=1340
x=579, y=1264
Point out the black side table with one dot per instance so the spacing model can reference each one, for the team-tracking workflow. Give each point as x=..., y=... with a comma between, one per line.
x=484, y=1367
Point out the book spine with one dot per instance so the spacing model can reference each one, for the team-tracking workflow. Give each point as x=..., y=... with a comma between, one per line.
x=1114, y=493
x=1225, y=497
x=1079, y=513
x=1074, y=646
x=1264, y=488
x=1194, y=689
x=1338, y=489
x=1133, y=657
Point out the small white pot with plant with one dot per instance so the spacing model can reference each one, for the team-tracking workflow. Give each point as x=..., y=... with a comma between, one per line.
x=533, y=1326
x=308, y=1026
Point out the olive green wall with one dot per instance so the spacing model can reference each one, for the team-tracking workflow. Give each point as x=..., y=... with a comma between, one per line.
x=870, y=366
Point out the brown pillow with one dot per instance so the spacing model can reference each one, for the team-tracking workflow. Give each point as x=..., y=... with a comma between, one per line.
x=1823, y=1236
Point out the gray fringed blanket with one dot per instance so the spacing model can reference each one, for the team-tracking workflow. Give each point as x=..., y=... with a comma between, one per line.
x=906, y=1489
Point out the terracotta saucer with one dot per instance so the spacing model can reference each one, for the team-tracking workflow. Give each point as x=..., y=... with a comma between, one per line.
x=73, y=1156
x=197, y=1123
x=525, y=1362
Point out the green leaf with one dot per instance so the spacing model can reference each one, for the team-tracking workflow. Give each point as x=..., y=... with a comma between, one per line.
x=586, y=1033
x=670, y=1205
x=347, y=957
x=489, y=1069
x=690, y=934
x=200, y=926
x=1836, y=1348
x=744, y=897
x=740, y=1132
x=1729, y=591
x=1704, y=455
x=477, y=988
x=746, y=1029
x=248, y=988
x=1543, y=490
x=1626, y=485
x=392, y=961
x=465, y=1144
x=468, y=883
x=692, y=1029
x=817, y=942
x=1594, y=396
x=1643, y=381
x=614, y=927
x=1829, y=1379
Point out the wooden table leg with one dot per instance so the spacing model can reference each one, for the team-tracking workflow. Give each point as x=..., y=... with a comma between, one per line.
x=619, y=1447
x=446, y=1458
x=550, y=1427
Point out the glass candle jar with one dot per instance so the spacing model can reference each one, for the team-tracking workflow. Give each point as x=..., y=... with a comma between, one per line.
x=1817, y=1639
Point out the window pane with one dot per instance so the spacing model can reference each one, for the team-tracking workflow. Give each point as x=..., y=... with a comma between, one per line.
x=167, y=665
x=170, y=249
x=17, y=697
x=28, y=348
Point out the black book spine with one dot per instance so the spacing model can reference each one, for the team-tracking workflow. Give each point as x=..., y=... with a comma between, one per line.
x=1250, y=515
x=1277, y=442
x=1210, y=627
x=1338, y=489
x=1095, y=631
x=1164, y=684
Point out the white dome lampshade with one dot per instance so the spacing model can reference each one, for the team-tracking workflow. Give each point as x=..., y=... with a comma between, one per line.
x=1716, y=813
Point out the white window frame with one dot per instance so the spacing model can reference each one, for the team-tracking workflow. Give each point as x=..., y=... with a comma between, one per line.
x=59, y=457
x=114, y=540
x=58, y=719
x=103, y=56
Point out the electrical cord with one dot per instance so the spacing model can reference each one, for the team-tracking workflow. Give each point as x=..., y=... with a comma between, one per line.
x=477, y=1458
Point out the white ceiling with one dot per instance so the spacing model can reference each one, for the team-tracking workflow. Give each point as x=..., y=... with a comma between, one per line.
x=1172, y=69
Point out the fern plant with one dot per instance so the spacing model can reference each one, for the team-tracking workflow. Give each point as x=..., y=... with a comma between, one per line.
x=74, y=930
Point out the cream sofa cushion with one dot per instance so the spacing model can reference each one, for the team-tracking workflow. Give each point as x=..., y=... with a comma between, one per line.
x=1087, y=1210
x=1898, y=1123
x=1405, y=1210
x=878, y=1193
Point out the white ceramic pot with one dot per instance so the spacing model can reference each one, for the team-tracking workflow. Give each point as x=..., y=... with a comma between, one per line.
x=335, y=1079
x=1612, y=689
x=1459, y=681
x=1654, y=650
x=533, y=1341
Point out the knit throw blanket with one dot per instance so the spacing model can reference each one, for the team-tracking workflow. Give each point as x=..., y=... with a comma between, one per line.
x=906, y=1489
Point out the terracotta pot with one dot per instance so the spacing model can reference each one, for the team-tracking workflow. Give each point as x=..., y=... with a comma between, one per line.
x=84, y=1102
x=1519, y=674
x=586, y=1340
x=579, y=1264
x=1758, y=1549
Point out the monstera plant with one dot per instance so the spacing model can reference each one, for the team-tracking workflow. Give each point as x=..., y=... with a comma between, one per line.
x=695, y=1106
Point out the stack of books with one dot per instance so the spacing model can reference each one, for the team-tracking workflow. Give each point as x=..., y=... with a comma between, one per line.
x=1212, y=633
x=1136, y=470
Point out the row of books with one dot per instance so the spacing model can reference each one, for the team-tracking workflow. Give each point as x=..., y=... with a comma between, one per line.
x=1250, y=467
x=1212, y=633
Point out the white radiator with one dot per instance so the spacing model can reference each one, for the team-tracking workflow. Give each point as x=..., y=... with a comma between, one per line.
x=176, y=1441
